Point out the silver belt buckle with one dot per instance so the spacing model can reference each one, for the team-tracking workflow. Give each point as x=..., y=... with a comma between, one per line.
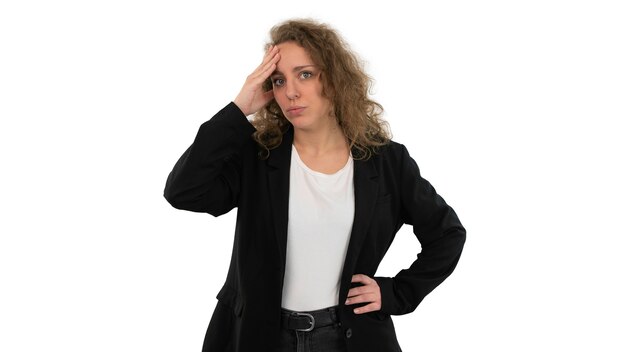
x=312, y=322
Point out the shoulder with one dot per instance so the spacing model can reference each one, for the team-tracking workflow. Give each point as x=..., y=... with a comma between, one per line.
x=394, y=158
x=392, y=151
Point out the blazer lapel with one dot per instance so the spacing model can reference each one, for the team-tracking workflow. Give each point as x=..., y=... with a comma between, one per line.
x=365, y=193
x=278, y=183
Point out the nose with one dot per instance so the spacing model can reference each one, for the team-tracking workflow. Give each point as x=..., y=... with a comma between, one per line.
x=292, y=91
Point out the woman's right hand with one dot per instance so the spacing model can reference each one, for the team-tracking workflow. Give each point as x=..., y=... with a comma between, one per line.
x=252, y=98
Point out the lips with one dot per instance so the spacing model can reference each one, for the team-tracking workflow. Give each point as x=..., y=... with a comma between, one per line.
x=295, y=110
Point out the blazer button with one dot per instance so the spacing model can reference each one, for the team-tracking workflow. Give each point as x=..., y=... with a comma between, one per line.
x=348, y=333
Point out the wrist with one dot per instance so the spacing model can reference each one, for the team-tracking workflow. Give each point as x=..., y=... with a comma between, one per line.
x=240, y=106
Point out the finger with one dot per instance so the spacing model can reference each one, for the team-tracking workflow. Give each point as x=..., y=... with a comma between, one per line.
x=362, y=278
x=270, y=66
x=270, y=50
x=370, y=297
x=263, y=72
x=269, y=56
x=372, y=307
x=355, y=291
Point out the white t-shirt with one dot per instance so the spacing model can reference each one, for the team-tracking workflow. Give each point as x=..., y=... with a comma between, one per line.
x=321, y=213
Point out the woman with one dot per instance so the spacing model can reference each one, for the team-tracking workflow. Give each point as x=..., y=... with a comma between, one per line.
x=321, y=191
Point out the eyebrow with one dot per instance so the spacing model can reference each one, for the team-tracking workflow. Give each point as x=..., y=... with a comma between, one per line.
x=295, y=69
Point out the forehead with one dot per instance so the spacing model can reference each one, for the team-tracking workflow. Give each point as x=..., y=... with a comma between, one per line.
x=292, y=55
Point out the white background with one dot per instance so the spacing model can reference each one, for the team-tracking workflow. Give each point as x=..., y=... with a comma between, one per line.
x=512, y=109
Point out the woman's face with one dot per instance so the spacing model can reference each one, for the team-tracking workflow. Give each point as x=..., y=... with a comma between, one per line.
x=298, y=89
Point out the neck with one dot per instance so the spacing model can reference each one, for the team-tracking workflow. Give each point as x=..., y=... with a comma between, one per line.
x=320, y=142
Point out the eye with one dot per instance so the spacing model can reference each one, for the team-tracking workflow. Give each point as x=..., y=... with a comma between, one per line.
x=278, y=82
x=306, y=74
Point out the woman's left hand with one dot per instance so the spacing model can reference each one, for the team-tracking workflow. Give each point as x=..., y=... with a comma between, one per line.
x=368, y=293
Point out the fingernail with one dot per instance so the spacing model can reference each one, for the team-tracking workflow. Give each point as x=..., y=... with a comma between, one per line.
x=347, y=301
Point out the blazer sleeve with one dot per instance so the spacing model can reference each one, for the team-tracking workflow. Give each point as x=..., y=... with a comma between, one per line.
x=439, y=232
x=207, y=176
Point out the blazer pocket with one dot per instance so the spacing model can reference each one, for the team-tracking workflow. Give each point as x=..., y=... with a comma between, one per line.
x=230, y=298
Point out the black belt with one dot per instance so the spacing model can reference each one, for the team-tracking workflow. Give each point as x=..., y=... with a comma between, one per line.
x=307, y=321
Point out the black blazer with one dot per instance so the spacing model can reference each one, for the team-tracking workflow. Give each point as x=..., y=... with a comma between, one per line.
x=221, y=170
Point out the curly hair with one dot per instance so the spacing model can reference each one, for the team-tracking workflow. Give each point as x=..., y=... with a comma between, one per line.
x=344, y=83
